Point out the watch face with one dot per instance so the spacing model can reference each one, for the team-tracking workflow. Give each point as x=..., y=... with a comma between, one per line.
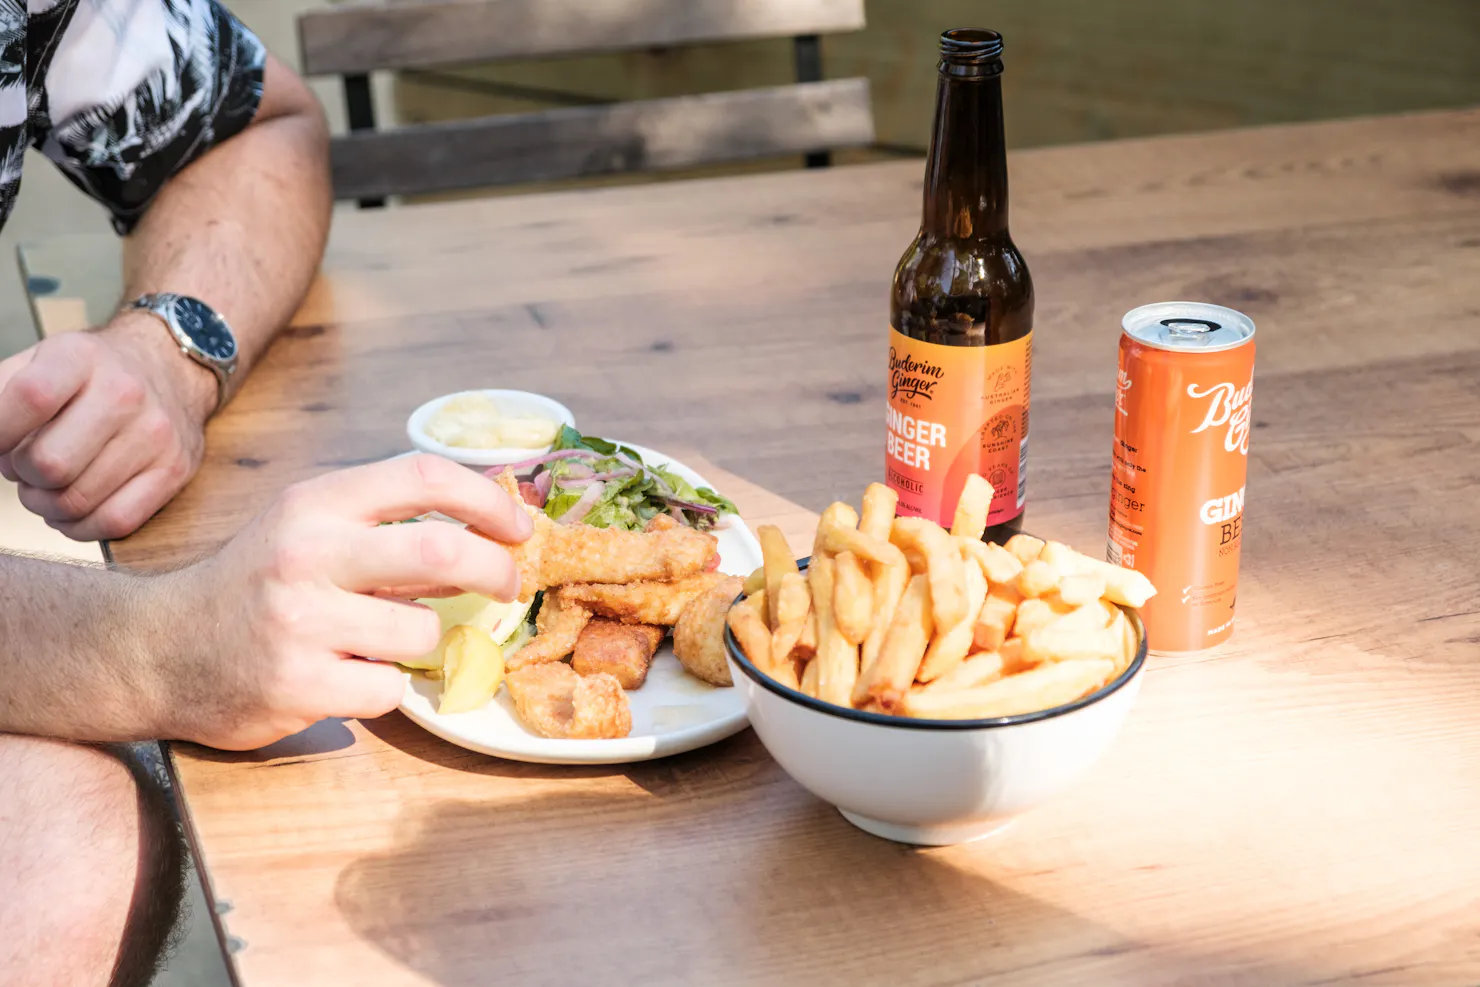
x=204, y=328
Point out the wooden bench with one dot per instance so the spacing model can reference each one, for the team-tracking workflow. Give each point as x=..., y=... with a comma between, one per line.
x=810, y=117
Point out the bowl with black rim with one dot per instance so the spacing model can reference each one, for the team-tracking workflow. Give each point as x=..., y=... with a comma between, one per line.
x=933, y=782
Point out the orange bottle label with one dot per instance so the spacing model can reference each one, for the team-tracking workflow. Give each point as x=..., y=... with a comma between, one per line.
x=954, y=411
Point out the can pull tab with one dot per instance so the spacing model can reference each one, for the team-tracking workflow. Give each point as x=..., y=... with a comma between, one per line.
x=1190, y=328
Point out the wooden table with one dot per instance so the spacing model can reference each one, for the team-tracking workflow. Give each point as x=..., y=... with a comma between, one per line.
x=1299, y=807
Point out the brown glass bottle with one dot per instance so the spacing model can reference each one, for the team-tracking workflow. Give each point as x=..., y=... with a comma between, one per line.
x=962, y=309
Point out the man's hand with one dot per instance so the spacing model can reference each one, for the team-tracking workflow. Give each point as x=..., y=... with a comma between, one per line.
x=273, y=625
x=100, y=429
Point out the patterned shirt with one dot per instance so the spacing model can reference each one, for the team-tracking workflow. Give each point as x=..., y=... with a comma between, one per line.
x=121, y=94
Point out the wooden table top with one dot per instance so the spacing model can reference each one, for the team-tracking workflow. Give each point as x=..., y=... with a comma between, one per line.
x=1298, y=807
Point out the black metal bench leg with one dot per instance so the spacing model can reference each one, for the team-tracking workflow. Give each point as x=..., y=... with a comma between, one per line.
x=359, y=107
x=809, y=69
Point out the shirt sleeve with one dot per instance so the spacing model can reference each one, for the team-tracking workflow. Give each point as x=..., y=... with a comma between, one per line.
x=138, y=89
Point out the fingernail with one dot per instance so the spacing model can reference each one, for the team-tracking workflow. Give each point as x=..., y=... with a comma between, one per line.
x=526, y=523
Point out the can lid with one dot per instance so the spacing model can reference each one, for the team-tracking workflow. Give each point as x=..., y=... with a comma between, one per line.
x=1188, y=326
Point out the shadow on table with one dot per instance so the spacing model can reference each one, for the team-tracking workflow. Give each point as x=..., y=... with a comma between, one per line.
x=395, y=730
x=324, y=737
x=678, y=885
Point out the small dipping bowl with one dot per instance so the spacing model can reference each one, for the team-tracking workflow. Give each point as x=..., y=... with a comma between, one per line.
x=933, y=782
x=519, y=402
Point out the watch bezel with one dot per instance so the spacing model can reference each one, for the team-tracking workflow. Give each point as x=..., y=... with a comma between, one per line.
x=174, y=305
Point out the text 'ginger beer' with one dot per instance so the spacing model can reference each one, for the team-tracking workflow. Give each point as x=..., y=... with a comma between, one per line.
x=1181, y=452
x=960, y=340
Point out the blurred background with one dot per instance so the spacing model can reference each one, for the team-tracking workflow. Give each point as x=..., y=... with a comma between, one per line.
x=1077, y=70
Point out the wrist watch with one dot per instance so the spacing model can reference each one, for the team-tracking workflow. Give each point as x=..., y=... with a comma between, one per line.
x=201, y=333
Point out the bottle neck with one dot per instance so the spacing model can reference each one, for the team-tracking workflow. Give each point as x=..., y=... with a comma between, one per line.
x=966, y=173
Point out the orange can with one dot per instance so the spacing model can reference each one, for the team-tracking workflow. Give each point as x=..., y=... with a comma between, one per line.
x=1181, y=453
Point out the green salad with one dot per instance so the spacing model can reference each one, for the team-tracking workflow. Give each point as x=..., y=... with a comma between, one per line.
x=589, y=480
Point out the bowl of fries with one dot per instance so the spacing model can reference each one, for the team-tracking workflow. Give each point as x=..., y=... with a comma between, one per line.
x=930, y=685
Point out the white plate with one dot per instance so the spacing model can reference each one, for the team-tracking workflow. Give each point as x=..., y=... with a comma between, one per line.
x=673, y=712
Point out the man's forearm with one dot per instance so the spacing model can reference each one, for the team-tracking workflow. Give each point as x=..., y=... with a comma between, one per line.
x=242, y=228
x=85, y=653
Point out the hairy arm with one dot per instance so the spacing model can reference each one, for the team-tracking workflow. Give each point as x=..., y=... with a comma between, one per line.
x=242, y=228
x=80, y=650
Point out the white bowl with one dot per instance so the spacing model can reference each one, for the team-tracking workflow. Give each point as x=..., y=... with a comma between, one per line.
x=522, y=401
x=933, y=782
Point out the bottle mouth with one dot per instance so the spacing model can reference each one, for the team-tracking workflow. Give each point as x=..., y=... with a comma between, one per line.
x=970, y=46
x=970, y=53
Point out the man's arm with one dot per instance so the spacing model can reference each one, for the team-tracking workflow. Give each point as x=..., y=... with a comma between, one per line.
x=242, y=228
x=101, y=429
x=258, y=641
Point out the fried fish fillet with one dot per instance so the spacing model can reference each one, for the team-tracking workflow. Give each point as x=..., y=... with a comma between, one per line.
x=699, y=638
x=643, y=602
x=624, y=651
x=557, y=628
x=557, y=554
x=553, y=701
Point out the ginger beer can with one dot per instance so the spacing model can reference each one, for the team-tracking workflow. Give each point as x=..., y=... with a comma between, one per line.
x=1181, y=452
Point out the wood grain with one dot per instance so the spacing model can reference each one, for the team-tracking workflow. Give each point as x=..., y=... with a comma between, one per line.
x=1296, y=808
x=648, y=135
x=366, y=37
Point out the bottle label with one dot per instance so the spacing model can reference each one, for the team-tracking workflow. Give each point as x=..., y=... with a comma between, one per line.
x=954, y=411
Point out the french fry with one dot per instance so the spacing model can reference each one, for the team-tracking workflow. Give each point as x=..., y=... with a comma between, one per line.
x=972, y=509
x=786, y=674
x=995, y=619
x=1035, y=613
x=853, y=598
x=836, y=658
x=748, y=623
x=1024, y=547
x=1130, y=643
x=834, y=536
x=1011, y=653
x=943, y=565
x=1062, y=558
x=879, y=504
x=1081, y=588
x=806, y=645
x=835, y=515
x=977, y=669
x=997, y=563
x=951, y=645
x=1037, y=689
x=1124, y=586
x=795, y=603
x=776, y=554
x=808, y=683
x=893, y=672
x=889, y=585
x=1080, y=634
x=1038, y=578
x=755, y=582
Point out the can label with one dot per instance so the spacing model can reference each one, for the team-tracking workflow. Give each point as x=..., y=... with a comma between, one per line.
x=954, y=411
x=1177, y=486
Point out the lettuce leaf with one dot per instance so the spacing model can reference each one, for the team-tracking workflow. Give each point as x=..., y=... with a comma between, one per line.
x=628, y=503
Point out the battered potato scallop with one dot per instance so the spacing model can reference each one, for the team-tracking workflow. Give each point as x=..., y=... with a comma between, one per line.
x=553, y=701
x=699, y=637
